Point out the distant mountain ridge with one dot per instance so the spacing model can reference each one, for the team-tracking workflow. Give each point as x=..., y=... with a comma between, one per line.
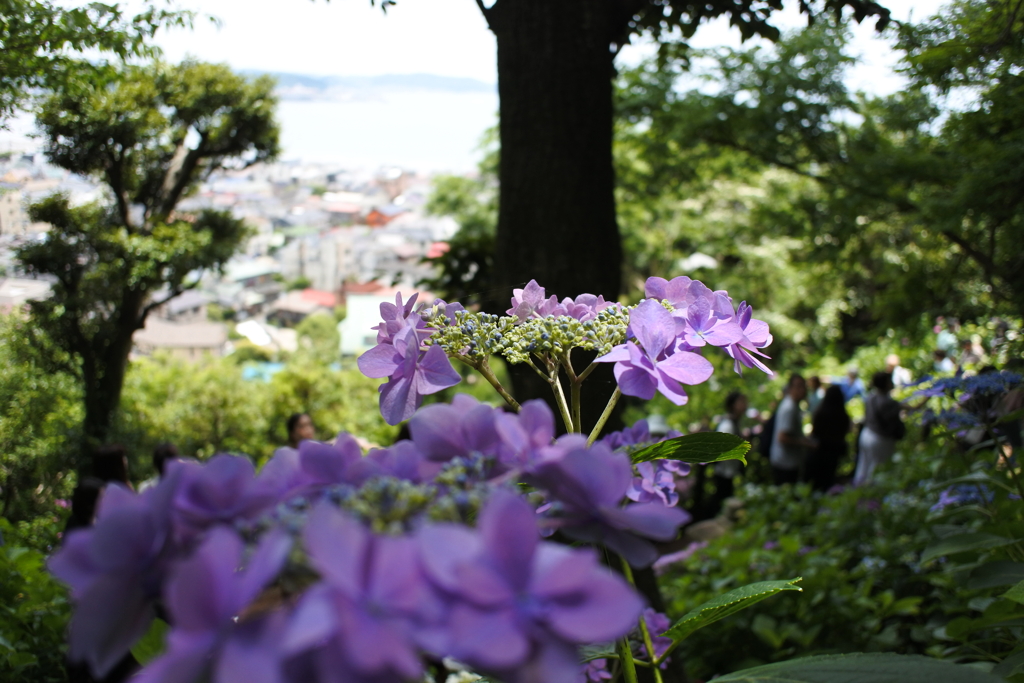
x=292, y=86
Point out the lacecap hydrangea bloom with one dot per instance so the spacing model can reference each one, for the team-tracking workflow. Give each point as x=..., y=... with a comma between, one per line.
x=333, y=565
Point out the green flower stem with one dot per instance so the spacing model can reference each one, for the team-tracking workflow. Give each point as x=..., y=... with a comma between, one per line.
x=563, y=406
x=484, y=367
x=627, y=571
x=626, y=657
x=574, y=385
x=603, y=420
x=586, y=372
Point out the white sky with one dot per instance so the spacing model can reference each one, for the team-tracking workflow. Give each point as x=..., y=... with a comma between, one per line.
x=444, y=37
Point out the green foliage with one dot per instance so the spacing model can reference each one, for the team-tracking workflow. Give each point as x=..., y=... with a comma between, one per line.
x=862, y=668
x=40, y=412
x=727, y=604
x=701, y=447
x=876, y=209
x=151, y=134
x=319, y=338
x=43, y=42
x=863, y=586
x=208, y=408
x=34, y=613
x=299, y=283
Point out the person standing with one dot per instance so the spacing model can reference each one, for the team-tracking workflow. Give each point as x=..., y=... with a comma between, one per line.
x=830, y=424
x=883, y=427
x=852, y=386
x=901, y=376
x=789, y=445
x=815, y=392
x=725, y=472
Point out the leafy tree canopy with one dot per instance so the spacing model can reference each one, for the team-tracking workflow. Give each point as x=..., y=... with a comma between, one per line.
x=150, y=135
x=41, y=42
x=912, y=205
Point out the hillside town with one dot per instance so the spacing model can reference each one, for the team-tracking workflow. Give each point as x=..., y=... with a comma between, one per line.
x=325, y=240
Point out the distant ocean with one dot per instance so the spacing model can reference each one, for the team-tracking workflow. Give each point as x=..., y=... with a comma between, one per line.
x=423, y=130
x=417, y=129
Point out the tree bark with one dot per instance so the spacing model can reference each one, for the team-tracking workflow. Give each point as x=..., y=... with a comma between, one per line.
x=556, y=213
x=556, y=216
x=104, y=375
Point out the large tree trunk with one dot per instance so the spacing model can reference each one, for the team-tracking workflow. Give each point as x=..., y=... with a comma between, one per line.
x=556, y=217
x=104, y=368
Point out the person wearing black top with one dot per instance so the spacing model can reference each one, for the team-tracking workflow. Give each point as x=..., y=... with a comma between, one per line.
x=830, y=424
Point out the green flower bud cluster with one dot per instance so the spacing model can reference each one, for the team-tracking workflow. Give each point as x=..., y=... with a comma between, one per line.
x=478, y=335
x=389, y=505
x=556, y=336
x=473, y=335
x=464, y=492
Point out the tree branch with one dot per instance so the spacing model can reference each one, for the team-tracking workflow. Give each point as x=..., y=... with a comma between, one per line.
x=987, y=265
x=486, y=11
x=176, y=291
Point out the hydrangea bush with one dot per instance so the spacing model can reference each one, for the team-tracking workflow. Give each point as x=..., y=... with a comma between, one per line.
x=481, y=543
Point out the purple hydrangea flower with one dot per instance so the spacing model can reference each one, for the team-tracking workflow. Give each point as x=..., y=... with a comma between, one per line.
x=675, y=291
x=396, y=317
x=596, y=671
x=206, y=594
x=529, y=302
x=442, y=431
x=658, y=364
x=115, y=569
x=362, y=617
x=448, y=310
x=755, y=337
x=702, y=326
x=589, y=485
x=585, y=307
x=520, y=607
x=219, y=491
x=657, y=481
x=526, y=437
x=666, y=561
x=412, y=373
x=657, y=623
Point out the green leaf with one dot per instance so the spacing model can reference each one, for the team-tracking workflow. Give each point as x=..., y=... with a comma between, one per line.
x=730, y=603
x=995, y=574
x=1016, y=593
x=1013, y=664
x=861, y=668
x=962, y=543
x=151, y=645
x=701, y=447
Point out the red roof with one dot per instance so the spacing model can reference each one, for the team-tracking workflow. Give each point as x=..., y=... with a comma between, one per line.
x=320, y=297
x=438, y=248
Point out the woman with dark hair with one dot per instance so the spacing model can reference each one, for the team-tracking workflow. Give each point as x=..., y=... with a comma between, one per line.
x=300, y=428
x=110, y=464
x=883, y=427
x=830, y=424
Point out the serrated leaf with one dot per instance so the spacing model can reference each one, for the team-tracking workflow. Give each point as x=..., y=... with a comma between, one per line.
x=861, y=668
x=1016, y=593
x=962, y=543
x=151, y=645
x=995, y=574
x=729, y=603
x=701, y=447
